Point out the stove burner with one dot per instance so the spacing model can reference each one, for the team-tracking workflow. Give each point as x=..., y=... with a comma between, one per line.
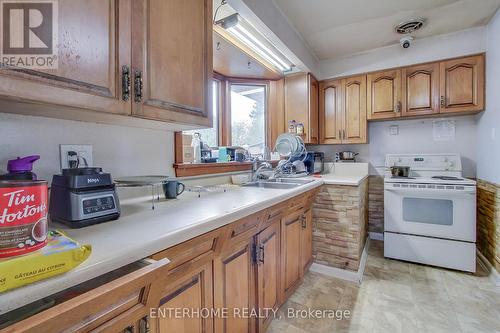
x=447, y=178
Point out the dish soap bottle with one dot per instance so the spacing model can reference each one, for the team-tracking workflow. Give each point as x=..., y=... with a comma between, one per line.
x=196, y=144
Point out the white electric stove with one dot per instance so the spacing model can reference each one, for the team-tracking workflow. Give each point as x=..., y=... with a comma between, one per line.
x=430, y=216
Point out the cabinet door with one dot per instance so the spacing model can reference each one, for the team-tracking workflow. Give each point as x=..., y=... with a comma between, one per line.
x=383, y=95
x=234, y=289
x=462, y=84
x=191, y=291
x=306, y=240
x=291, y=263
x=268, y=263
x=330, y=111
x=296, y=101
x=354, y=118
x=420, y=90
x=313, y=136
x=93, y=45
x=172, y=52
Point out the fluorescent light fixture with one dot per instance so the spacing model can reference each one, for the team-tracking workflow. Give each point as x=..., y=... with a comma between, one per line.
x=257, y=42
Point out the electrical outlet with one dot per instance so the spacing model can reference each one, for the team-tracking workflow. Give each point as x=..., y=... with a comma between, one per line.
x=83, y=154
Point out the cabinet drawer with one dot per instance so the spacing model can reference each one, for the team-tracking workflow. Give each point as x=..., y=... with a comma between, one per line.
x=109, y=307
x=298, y=203
x=204, y=245
x=275, y=212
x=244, y=229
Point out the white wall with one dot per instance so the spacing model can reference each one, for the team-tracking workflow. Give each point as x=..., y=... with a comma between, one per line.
x=451, y=45
x=415, y=136
x=118, y=149
x=488, y=149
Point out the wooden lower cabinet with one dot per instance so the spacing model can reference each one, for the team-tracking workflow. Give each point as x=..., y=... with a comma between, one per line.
x=234, y=289
x=268, y=273
x=238, y=273
x=306, y=240
x=183, y=302
x=291, y=265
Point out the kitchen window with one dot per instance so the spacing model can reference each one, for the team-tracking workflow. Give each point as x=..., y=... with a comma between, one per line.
x=210, y=136
x=240, y=118
x=248, y=116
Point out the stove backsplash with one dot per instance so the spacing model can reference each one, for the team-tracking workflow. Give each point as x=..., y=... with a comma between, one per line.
x=415, y=136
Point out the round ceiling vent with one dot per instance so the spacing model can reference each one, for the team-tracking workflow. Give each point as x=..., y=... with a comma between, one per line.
x=407, y=27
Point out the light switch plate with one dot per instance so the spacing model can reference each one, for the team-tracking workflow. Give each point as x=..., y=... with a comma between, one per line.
x=84, y=153
x=394, y=129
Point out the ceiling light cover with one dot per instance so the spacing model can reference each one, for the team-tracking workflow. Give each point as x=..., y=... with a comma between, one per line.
x=252, y=38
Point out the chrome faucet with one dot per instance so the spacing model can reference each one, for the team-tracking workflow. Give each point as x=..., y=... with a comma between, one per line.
x=258, y=166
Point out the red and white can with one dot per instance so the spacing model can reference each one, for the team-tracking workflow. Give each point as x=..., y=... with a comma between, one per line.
x=23, y=217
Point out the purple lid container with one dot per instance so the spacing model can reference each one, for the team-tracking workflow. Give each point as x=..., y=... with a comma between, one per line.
x=24, y=164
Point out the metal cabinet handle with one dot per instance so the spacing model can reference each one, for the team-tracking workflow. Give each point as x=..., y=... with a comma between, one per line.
x=398, y=107
x=340, y=134
x=344, y=134
x=125, y=83
x=261, y=254
x=144, y=325
x=443, y=101
x=304, y=221
x=130, y=329
x=138, y=86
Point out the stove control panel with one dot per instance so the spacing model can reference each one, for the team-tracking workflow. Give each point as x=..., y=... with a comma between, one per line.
x=425, y=162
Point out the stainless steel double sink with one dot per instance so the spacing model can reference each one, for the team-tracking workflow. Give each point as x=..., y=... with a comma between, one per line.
x=279, y=183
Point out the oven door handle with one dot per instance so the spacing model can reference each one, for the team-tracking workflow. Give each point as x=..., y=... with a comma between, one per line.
x=432, y=191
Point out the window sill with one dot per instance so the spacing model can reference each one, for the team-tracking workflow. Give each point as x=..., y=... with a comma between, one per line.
x=188, y=169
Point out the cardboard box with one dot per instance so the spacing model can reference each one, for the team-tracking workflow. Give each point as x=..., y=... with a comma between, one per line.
x=187, y=154
x=186, y=139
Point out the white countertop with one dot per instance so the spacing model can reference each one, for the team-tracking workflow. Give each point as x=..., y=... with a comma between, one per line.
x=141, y=231
x=350, y=174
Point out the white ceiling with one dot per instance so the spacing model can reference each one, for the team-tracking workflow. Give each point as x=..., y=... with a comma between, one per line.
x=336, y=28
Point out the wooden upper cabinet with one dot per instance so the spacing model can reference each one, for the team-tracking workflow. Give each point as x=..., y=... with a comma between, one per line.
x=420, y=90
x=301, y=104
x=268, y=272
x=354, y=123
x=172, y=56
x=313, y=110
x=383, y=94
x=462, y=84
x=94, y=40
x=330, y=111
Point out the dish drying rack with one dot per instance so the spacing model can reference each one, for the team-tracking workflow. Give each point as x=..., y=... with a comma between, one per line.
x=206, y=189
x=284, y=167
x=156, y=190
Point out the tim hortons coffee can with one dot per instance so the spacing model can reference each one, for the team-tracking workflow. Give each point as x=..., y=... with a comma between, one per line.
x=23, y=217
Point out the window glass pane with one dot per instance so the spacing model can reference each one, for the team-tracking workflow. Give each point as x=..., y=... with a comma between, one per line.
x=210, y=136
x=248, y=108
x=431, y=211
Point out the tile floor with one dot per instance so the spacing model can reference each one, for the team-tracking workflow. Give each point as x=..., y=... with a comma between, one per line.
x=396, y=296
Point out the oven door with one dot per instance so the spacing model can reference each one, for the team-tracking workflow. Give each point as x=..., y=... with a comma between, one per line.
x=441, y=213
